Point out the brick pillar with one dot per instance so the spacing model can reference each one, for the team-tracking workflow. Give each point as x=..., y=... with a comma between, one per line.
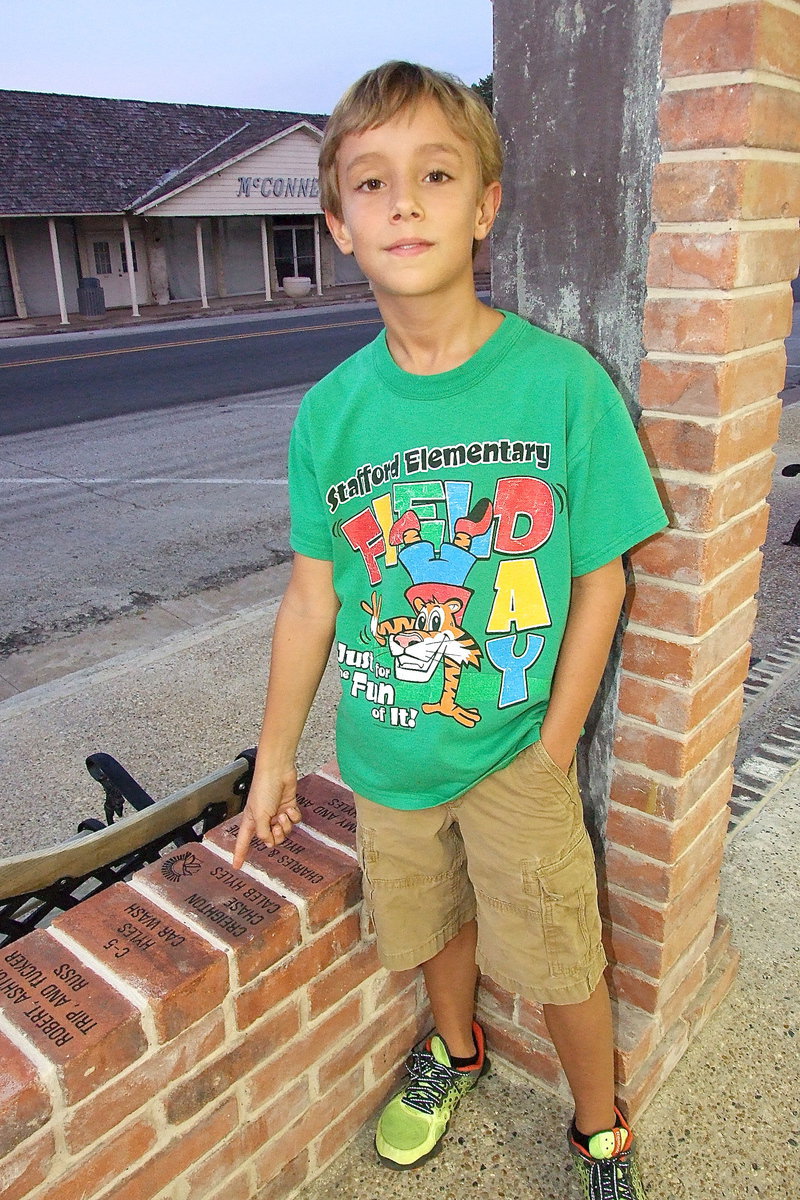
x=725, y=201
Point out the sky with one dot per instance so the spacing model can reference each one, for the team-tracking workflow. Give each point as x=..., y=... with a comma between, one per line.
x=298, y=55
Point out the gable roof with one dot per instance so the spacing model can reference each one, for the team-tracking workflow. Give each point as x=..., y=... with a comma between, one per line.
x=87, y=154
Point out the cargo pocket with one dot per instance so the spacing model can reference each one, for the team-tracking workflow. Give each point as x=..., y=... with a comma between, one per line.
x=566, y=891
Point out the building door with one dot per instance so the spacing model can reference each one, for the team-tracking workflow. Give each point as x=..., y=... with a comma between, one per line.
x=8, y=305
x=107, y=260
x=294, y=251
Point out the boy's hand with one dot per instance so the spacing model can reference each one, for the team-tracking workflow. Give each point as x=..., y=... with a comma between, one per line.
x=270, y=814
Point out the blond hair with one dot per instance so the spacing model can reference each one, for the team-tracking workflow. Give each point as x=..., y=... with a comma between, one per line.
x=382, y=93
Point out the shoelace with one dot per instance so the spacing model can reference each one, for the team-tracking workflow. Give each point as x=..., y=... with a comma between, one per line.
x=430, y=1081
x=612, y=1176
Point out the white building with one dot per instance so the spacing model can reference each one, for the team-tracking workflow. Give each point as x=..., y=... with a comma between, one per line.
x=203, y=202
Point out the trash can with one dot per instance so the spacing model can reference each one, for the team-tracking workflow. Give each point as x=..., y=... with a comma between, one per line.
x=91, y=299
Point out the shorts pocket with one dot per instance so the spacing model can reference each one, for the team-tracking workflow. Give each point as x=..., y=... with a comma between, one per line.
x=566, y=891
x=544, y=759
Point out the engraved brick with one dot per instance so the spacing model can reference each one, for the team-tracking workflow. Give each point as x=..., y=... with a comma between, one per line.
x=181, y=976
x=258, y=925
x=329, y=808
x=77, y=1020
x=329, y=881
x=24, y=1103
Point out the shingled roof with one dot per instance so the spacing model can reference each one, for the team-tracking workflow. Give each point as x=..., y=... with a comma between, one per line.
x=86, y=154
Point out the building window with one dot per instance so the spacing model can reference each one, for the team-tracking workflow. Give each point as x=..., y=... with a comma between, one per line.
x=102, y=258
x=124, y=257
x=294, y=250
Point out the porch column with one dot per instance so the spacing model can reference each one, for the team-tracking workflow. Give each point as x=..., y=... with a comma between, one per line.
x=265, y=258
x=62, y=303
x=16, y=286
x=317, y=256
x=126, y=230
x=201, y=266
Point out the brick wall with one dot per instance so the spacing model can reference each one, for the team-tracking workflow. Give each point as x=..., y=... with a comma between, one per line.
x=725, y=202
x=202, y=1032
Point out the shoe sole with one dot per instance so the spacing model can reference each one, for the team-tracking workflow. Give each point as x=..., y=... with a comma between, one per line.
x=437, y=1149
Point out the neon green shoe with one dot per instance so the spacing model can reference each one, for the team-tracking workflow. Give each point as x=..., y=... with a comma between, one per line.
x=415, y=1120
x=609, y=1171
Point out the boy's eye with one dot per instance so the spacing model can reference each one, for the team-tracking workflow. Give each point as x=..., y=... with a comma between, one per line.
x=437, y=176
x=369, y=185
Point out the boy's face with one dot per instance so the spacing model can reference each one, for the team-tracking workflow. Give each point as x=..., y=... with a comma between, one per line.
x=412, y=203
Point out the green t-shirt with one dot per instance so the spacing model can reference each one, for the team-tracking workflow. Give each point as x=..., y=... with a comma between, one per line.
x=447, y=644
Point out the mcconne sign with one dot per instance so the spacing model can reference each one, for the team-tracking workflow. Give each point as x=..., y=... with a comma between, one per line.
x=278, y=186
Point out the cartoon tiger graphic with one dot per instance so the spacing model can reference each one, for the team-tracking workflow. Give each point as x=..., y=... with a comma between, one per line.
x=419, y=643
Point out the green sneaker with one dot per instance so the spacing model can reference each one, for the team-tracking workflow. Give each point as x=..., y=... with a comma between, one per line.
x=415, y=1120
x=609, y=1171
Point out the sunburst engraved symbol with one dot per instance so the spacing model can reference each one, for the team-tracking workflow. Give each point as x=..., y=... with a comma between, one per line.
x=180, y=866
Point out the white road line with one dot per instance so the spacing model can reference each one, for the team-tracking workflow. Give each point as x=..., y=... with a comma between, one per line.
x=122, y=479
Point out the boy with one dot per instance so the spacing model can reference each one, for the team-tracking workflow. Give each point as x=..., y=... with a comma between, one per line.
x=461, y=492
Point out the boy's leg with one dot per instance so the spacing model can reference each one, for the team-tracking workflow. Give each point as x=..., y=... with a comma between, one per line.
x=450, y=978
x=583, y=1037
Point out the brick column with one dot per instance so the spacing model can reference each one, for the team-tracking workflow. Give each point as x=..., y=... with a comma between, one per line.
x=725, y=201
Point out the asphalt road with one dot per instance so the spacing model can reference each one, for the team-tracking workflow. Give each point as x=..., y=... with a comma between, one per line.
x=67, y=379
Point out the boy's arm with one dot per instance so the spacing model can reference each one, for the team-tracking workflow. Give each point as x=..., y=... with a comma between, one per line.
x=300, y=647
x=593, y=614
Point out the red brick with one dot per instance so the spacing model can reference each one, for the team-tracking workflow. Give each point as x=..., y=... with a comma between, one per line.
x=195, y=1092
x=340, y=979
x=398, y=1019
x=23, y=1169
x=693, y=611
x=105, y=1163
x=328, y=807
x=172, y=1160
x=291, y=1176
x=752, y=258
x=531, y=1016
x=698, y=558
x=705, y=504
x=690, y=660
x=337, y=1135
x=328, y=881
x=272, y=1145
x=649, y=877
x=275, y=1073
x=703, y=1002
x=495, y=998
x=735, y=37
x=656, y=958
x=649, y=919
x=24, y=1103
x=258, y=925
x=675, y=754
x=722, y=189
x=524, y=1050
x=388, y=985
x=237, y=1187
x=667, y=840
x=635, y=1035
x=636, y=1094
x=739, y=114
x=107, y=1108
x=712, y=388
x=679, y=443
x=668, y=797
x=681, y=708
x=72, y=1016
x=717, y=324
x=179, y=974
x=295, y=972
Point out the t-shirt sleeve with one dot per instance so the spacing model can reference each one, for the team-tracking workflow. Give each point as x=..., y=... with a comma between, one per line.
x=309, y=531
x=612, y=499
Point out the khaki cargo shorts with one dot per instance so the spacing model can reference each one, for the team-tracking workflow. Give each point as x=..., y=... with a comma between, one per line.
x=512, y=851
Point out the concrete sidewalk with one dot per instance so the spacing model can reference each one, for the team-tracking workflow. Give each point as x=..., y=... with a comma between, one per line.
x=727, y=1120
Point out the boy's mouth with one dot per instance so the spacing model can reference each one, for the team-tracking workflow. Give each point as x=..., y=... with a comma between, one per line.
x=409, y=246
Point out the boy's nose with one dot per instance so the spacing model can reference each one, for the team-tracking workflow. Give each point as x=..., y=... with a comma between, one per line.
x=406, y=205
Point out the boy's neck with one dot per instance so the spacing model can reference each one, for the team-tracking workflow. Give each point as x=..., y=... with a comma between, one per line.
x=427, y=335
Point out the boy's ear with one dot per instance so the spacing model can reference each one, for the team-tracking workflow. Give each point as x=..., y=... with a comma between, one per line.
x=339, y=232
x=488, y=207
